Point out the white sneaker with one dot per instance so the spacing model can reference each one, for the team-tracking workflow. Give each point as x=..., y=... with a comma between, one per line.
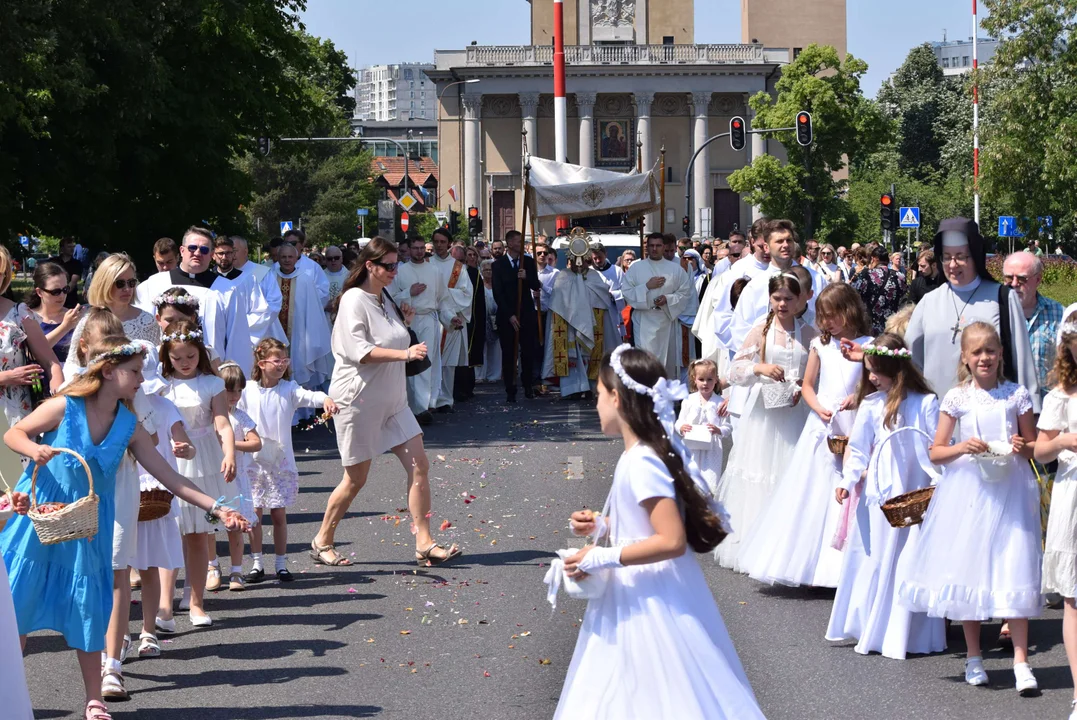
x=974, y=672
x=1026, y=681
x=201, y=620
x=165, y=626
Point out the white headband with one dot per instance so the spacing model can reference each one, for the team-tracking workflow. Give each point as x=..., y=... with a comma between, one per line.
x=954, y=238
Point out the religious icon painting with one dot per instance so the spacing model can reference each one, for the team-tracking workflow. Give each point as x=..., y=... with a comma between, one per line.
x=615, y=143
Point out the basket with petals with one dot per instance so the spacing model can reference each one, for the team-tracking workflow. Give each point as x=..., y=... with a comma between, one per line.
x=57, y=522
x=907, y=509
x=154, y=504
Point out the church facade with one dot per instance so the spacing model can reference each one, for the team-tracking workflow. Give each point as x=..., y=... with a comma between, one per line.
x=636, y=83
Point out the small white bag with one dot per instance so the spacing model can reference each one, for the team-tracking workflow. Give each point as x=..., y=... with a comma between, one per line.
x=779, y=394
x=699, y=438
x=270, y=455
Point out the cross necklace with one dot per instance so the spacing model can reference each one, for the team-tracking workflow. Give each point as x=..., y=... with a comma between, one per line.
x=957, y=323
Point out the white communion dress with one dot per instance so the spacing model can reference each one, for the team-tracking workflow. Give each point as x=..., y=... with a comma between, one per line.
x=764, y=438
x=866, y=605
x=980, y=551
x=697, y=411
x=1060, y=549
x=654, y=644
x=193, y=399
x=790, y=544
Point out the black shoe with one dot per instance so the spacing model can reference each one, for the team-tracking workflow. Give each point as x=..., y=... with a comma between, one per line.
x=446, y=409
x=511, y=399
x=529, y=394
x=425, y=418
x=284, y=576
x=255, y=576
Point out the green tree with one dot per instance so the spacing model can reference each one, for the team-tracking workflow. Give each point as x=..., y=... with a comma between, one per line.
x=1029, y=165
x=120, y=120
x=848, y=128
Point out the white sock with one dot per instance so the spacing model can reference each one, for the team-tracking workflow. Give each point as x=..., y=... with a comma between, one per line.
x=257, y=561
x=215, y=563
x=113, y=665
x=280, y=562
x=237, y=568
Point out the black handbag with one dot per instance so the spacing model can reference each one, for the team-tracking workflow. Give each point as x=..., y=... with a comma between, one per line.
x=419, y=365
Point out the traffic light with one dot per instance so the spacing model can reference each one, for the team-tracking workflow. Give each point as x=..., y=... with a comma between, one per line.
x=454, y=222
x=263, y=146
x=888, y=212
x=736, y=132
x=474, y=222
x=687, y=225
x=804, y=131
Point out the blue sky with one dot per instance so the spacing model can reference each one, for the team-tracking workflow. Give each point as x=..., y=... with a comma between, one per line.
x=375, y=31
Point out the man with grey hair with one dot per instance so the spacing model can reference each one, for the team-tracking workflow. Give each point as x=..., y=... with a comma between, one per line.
x=1023, y=272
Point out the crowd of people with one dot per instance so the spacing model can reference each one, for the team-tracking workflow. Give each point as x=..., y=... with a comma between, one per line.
x=823, y=385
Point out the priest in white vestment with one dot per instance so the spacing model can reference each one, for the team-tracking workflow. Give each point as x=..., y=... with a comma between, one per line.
x=267, y=287
x=659, y=291
x=715, y=314
x=417, y=283
x=582, y=328
x=969, y=295
x=303, y=319
x=248, y=291
x=455, y=314
x=298, y=238
x=224, y=322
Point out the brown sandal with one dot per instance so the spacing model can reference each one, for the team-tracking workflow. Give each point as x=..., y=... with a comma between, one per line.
x=316, y=552
x=425, y=558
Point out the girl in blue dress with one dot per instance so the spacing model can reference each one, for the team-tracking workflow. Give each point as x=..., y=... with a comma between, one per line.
x=67, y=587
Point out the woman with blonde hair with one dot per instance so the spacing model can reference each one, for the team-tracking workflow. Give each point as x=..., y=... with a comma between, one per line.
x=113, y=286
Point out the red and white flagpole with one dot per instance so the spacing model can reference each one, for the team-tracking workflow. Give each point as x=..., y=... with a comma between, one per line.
x=560, y=103
x=975, y=118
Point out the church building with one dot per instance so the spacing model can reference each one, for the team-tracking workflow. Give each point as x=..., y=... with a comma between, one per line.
x=636, y=83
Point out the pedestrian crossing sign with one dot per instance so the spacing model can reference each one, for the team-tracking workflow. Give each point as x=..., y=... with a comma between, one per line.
x=910, y=217
x=285, y=226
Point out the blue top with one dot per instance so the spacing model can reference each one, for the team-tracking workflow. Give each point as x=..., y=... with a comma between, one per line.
x=67, y=587
x=63, y=345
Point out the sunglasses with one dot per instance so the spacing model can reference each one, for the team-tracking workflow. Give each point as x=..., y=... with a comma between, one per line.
x=331, y=258
x=198, y=249
x=540, y=254
x=55, y=292
x=121, y=284
x=388, y=267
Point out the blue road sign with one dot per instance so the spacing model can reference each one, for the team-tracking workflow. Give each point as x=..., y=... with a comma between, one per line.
x=24, y=241
x=1047, y=221
x=1007, y=227
x=909, y=217
x=285, y=226
x=362, y=211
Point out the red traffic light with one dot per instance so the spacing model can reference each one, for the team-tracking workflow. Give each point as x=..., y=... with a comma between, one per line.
x=805, y=133
x=736, y=123
x=887, y=200
x=802, y=118
x=473, y=212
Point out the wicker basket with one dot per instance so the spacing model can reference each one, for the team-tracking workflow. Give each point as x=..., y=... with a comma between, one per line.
x=154, y=504
x=908, y=509
x=75, y=521
x=837, y=443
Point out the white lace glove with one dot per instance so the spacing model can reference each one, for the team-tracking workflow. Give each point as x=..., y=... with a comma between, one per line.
x=601, y=558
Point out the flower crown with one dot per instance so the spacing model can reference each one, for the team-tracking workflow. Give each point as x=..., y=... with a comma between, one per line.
x=870, y=349
x=1068, y=328
x=189, y=300
x=182, y=337
x=135, y=347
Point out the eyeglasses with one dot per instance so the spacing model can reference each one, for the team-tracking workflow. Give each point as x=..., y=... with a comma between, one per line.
x=1021, y=279
x=121, y=284
x=955, y=259
x=55, y=292
x=279, y=362
x=203, y=249
x=387, y=267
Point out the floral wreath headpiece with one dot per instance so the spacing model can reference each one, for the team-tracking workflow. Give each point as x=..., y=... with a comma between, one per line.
x=188, y=300
x=1068, y=328
x=870, y=349
x=135, y=347
x=664, y=393
x=182, y=337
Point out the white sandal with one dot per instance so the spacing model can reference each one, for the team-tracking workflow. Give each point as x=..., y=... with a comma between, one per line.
x=148, y=646
x=112, y=687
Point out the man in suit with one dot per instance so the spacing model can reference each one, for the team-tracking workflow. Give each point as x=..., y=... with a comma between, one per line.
x=508, y=270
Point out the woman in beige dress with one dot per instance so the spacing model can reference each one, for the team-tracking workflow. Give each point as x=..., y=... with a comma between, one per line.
x=370, y=349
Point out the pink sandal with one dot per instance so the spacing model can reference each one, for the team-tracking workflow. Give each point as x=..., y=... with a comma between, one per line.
x=96, y=710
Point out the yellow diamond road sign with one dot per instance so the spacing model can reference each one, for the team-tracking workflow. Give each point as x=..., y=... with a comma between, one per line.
x=408, y=201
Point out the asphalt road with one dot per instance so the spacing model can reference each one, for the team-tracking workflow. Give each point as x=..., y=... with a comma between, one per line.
x=476, y=640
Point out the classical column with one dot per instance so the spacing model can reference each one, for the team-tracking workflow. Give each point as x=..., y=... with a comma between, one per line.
x=473, y=151
x=643, y=127
x=701, y=171
x=585, y=102
x=529, y=103
x=759, y=148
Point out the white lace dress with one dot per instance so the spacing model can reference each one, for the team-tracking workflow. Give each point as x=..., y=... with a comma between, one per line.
x=193, y=398
x=654, y=644
x=1060, y=549
x=159, y=541
x=697, y=411
x=980, y=555
x=764, y=439
x=790, y=543
x=141, y=327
